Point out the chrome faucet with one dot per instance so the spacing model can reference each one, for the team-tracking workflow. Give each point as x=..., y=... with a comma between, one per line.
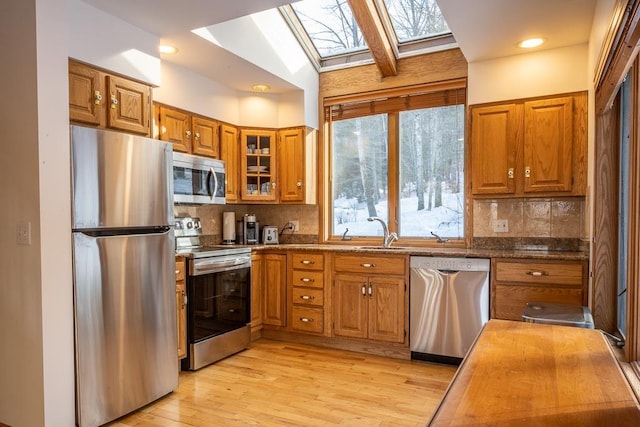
x=387, y=238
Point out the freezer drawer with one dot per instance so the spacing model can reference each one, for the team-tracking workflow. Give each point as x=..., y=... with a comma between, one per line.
x=125, y=322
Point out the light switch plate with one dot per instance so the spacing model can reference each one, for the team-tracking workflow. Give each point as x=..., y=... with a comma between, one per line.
x=23, y=233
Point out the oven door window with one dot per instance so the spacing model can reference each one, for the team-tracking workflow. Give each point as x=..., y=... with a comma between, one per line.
x=218, y=303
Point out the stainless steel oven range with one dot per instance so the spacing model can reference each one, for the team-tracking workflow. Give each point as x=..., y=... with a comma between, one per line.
x=218, y=296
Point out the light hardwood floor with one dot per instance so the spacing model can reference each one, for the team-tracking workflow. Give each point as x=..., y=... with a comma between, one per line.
x=285, y=384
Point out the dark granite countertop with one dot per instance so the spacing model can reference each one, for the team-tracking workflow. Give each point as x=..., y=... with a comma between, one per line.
x=431, y=251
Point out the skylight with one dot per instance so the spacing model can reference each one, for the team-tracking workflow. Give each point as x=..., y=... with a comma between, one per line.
x=331, y=26
x=329, y=31
x=416, y=19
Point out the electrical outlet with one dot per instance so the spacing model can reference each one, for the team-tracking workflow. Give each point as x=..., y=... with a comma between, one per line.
x=500, y=226
x=23, y=233
x=296, y=225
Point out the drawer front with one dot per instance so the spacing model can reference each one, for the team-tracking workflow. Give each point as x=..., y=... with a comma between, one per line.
x=370, y=264
x=180, y=269
x=308, y=296
x=312, y=279
x=308, y=261
x=307, y=319
x=534, y=272
x=510, y=301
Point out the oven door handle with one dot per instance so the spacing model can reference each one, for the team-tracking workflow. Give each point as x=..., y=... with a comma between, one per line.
x=212, y=266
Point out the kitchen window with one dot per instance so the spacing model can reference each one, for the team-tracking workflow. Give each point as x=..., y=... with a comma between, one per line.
x=400, y=159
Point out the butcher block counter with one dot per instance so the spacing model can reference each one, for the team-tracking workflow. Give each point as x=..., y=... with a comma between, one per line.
x=520, y=373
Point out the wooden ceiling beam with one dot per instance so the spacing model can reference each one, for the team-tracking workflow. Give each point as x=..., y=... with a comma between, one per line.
x=366, y=14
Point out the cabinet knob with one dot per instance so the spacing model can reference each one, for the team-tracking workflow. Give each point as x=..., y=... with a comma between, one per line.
x=114, y=101
x=188, y=133
x=527, y=172
x=299, y=184
x=510, y=173
x=97, y=97
x=197, y=135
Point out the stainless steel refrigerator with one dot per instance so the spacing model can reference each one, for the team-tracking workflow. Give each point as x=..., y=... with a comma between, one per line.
x=123, y=270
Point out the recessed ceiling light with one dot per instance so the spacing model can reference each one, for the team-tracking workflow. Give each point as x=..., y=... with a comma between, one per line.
x=165, y=48
x=260, y=88
x=531, y=43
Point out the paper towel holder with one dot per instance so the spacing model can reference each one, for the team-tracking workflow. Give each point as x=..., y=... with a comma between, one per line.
x=228, y=228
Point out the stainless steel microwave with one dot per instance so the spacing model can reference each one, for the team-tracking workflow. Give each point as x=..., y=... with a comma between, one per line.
x=198, y=180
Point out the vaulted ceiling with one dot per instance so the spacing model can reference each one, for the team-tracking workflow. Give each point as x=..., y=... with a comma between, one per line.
x=484, y=30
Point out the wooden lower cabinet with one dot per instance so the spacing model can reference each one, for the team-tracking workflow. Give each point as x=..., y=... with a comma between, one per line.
x=307, y=292
x=370, y=297
x=181, y=306
x=514, y=283
x=257, y=275
x=275, y=289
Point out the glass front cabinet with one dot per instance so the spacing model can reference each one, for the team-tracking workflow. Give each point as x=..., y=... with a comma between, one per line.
x=258, y=165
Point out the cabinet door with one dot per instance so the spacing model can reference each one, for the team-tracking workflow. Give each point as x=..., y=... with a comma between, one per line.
x=205, y=137
x=291, y=160
x=258, y=167
x=181, y=307
x=275, y=275
x=386, y=309
x=86, y=94
x=257, y=275
x=128, y=105
x=495, y=134
x=174, y=128
x=229, y=152
x=350, y=306
x=548, y=145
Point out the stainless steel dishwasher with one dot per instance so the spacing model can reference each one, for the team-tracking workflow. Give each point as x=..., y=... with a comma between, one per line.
x=449, y=304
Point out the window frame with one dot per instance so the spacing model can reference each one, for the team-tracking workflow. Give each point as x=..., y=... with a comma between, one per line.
x=391, y=102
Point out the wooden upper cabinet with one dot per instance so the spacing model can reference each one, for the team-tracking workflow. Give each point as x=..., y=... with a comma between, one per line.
x=291, y=173
x=230, y=153
x=128, y=105
x=174, y=127
x=530, y=147
x=97, y=98
x=86, y=94
x=258, y=165
x=493, y=151
x=205, y=137
x=187, y=132
x=548, y=141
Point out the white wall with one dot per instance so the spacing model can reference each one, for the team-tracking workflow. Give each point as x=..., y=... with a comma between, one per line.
x=528, y=75
x=101, y=39
x=36, y=308
x=185, y=89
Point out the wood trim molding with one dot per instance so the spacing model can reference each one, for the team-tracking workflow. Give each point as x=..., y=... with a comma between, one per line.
x=632, y=348
x=623, y=50
x=366, y=13
x=605, y=233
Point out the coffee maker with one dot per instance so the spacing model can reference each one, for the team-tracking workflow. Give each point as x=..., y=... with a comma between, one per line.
x=251, y=230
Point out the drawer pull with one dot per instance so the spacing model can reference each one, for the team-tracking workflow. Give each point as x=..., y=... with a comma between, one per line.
x=177, y=271
x=307, y=297
x=537, y=273
x=307, y=262
x=307, y=280
x=306, y=320
x=368, y=265
x=364, y=289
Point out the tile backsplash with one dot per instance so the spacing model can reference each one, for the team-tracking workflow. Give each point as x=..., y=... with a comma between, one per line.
x=528, y=217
